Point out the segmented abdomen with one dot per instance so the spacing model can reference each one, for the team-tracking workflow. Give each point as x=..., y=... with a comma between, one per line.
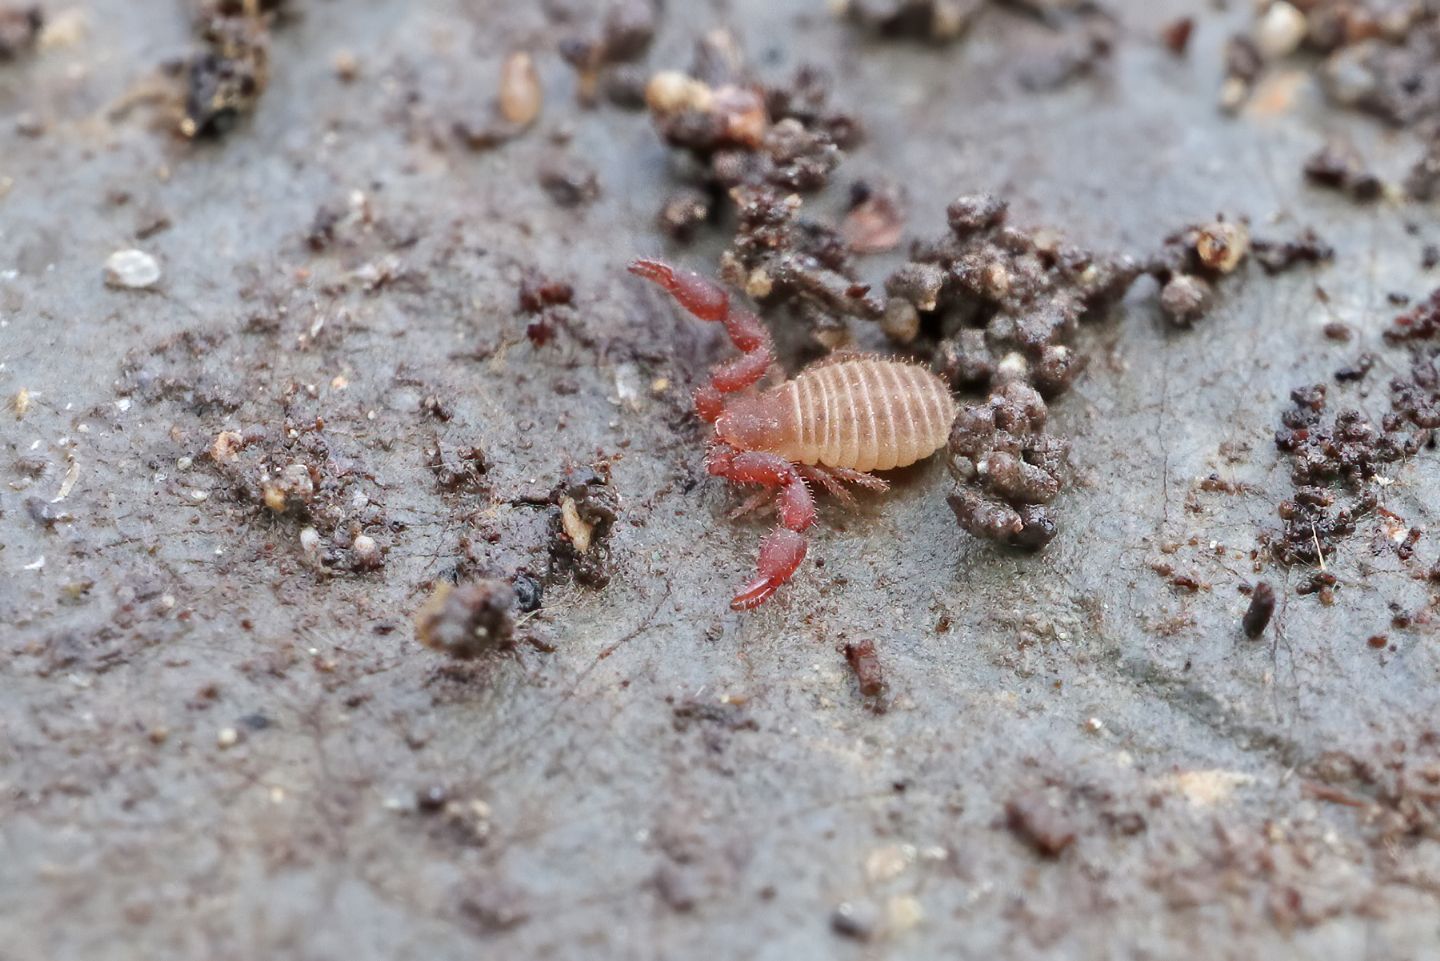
x=865, y=414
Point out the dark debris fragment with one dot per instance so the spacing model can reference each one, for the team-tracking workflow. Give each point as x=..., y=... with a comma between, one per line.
x=1278, y=256
x=1379, y=57
x=20, y=28
x=933, y=20
x=1258, y=614
x=569, y=181
x=456, y=469
x=467, y=620
x=1339, y=166
x=761, y=146
x=1009, y=469
x=1338, y=463
x=225, y=79
x=1191, y=262
x=1037, y=819
x=585, y=508
x=1176, y=35
x=1071, y=54
x=996, y=308
x=865, y=663
x=622, y=33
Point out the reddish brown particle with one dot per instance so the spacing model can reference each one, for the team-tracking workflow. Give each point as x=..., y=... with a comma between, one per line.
x=1257, y=615
x=1037, y=820
x=1176, y=35
x=866, y=666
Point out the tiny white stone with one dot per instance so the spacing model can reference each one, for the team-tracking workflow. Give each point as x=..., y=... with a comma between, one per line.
x=309, y=539
x=1280, y=30
x=132, y=269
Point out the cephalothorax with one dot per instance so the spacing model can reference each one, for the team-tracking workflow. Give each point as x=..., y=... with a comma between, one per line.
x=832, y=424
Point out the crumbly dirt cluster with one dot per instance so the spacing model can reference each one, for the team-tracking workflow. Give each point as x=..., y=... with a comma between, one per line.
x=226, y=77
x=1009, y=468
x=584, y=509
x=1380, y=58
x=1191, y=261
x=997, y=306
x=1339, y=462
x=467, y=620
x=998, y=302
x=760, y=147
x=618, y=34
x=1383, y=58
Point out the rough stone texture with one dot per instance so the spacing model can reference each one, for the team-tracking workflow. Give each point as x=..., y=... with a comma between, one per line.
x=656, y=776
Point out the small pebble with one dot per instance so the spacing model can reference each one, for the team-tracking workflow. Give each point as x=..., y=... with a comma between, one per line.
x=855, y=919
x=131, y=270
x=367, y=554
x=1280, y=30
x=520, y=93
x=1222, y=245
x=347, y=66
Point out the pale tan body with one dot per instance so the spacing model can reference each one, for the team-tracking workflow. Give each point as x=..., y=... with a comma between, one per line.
x=831, y=425
x=864, y=414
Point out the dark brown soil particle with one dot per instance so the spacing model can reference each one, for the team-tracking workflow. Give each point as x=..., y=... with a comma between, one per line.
x=1008, y=467
x=622, y=33
x=226, y=78
x=1071, y=54
x=20, y=28
x=1176, y=35
x=686, y=210
x=1258, y=614
x=1422, y=183
x=569, y=181
x=1036, y=818
x=857, y=920
x=467, y=620
x=585, y=508
x=866, y=664
x=1278, y=256
x=996, y=308
x=933, y=20
x=456, y=469
x=763, y=145
x=1191, y=261
x=1337, y=463
x=1339, y=166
